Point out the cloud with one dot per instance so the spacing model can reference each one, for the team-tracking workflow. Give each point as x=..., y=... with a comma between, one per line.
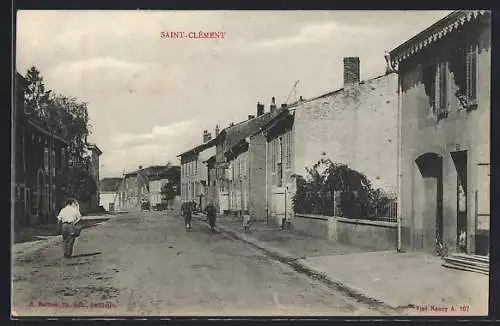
x=315, y=32
x=103, y=63
x=174, y=129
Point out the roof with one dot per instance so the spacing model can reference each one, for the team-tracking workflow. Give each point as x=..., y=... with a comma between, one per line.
x=202, y=147
x=285, y=112
x=93, y=147
x=434, y=33
x=238, y=132
x=45, y=131
x=109, y=184
x=165, y=173
x=149, y=171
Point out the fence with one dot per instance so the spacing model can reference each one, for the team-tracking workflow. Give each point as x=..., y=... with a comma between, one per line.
x=380, y=208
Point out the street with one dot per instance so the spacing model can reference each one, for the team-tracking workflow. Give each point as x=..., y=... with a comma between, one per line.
x=147, y=264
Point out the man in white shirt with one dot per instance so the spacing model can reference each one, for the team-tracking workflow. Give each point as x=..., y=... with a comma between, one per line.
x=69, y=216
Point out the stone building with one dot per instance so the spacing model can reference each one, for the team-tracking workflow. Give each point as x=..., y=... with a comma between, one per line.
x=108, y=193
x=194, y=173
x=92, y=204
x=238, y=160
x=39, y=162
x=134, y=189
x=355, y=125
x=444, y=82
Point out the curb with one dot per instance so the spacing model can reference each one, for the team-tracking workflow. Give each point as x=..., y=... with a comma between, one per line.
x=301, y=267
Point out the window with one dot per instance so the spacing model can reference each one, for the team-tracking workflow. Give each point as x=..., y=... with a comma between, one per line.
x=273, y=155
x=46, y=160
x=471, y=75
x=63, y=159
x=441, y=101
x=289, y=150
x=53, y=163
x=280, y=163
x=435, y=79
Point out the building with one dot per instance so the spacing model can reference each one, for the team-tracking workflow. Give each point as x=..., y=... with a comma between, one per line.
x=444, y=82
x=354, y=125
x=157, y=182
x=194, y=174
x=38, y=163
x=92, y=204
x=108, y=193
x=239, y=157
x=134, y=188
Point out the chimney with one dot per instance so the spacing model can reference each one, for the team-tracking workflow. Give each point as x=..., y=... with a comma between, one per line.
x=140, y=167
x=206, y=136
x=301, y=99
x=217, y=130
x=260, y=109
x=272, y=107
x=251, y=116
x=351, y=71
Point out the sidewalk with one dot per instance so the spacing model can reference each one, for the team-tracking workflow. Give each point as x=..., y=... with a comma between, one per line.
x=29, y=239
x=406, y=283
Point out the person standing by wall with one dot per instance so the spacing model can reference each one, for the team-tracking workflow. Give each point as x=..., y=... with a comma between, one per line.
x=211, y=215
x=68, y=218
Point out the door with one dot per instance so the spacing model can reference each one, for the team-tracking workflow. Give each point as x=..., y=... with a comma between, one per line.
x=460, y=161
x=428, y=201
x=482, y=198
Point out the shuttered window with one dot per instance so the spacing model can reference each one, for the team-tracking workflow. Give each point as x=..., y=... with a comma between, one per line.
x=471, y=75
x=46, y=160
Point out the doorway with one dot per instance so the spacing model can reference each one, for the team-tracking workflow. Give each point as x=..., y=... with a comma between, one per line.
x=429, y=200
x=460, y=161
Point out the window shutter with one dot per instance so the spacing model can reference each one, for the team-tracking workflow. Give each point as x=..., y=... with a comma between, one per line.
x=437, y=91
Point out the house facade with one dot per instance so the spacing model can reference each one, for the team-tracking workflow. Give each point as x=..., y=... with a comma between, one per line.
x=194, y=173
x=108, y=193
x=355, y=125
x=240, y=157
x=93, y=152
x=444, y=80
x=157, y=182
x=134, y=188
x=38, y=162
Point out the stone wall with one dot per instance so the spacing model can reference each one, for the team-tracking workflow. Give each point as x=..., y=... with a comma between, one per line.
x=372, y=235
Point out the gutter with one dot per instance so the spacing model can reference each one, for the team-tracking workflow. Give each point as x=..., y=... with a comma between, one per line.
x=399, y=165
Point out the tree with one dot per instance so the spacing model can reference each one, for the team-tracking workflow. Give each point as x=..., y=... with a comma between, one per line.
x=329, y=186
x=36, y=98
x=68, y=118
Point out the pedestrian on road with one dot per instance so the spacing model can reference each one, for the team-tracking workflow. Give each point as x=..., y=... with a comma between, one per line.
x=68, y=218
x=187, y=212
x=211, y=215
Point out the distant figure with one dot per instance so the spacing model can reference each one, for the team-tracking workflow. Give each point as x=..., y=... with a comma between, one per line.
x=462, y=241
x=211, y=215
x=187, y=212
x=69, y=217
x=246, y=223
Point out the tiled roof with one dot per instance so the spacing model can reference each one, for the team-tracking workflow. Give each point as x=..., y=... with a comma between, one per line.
x=240, y=131
x=202, y=147
x=109, y=184
x=434, y=33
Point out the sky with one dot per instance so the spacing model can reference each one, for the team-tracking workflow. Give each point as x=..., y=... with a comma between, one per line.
x=150, y=98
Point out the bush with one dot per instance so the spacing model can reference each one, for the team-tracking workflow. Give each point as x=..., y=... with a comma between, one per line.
x=335, y=189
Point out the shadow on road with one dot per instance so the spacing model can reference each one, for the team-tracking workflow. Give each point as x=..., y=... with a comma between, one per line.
x=87, y=255
x=35, y=233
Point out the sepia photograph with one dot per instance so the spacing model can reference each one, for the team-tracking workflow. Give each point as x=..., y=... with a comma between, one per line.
x=250, y=163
